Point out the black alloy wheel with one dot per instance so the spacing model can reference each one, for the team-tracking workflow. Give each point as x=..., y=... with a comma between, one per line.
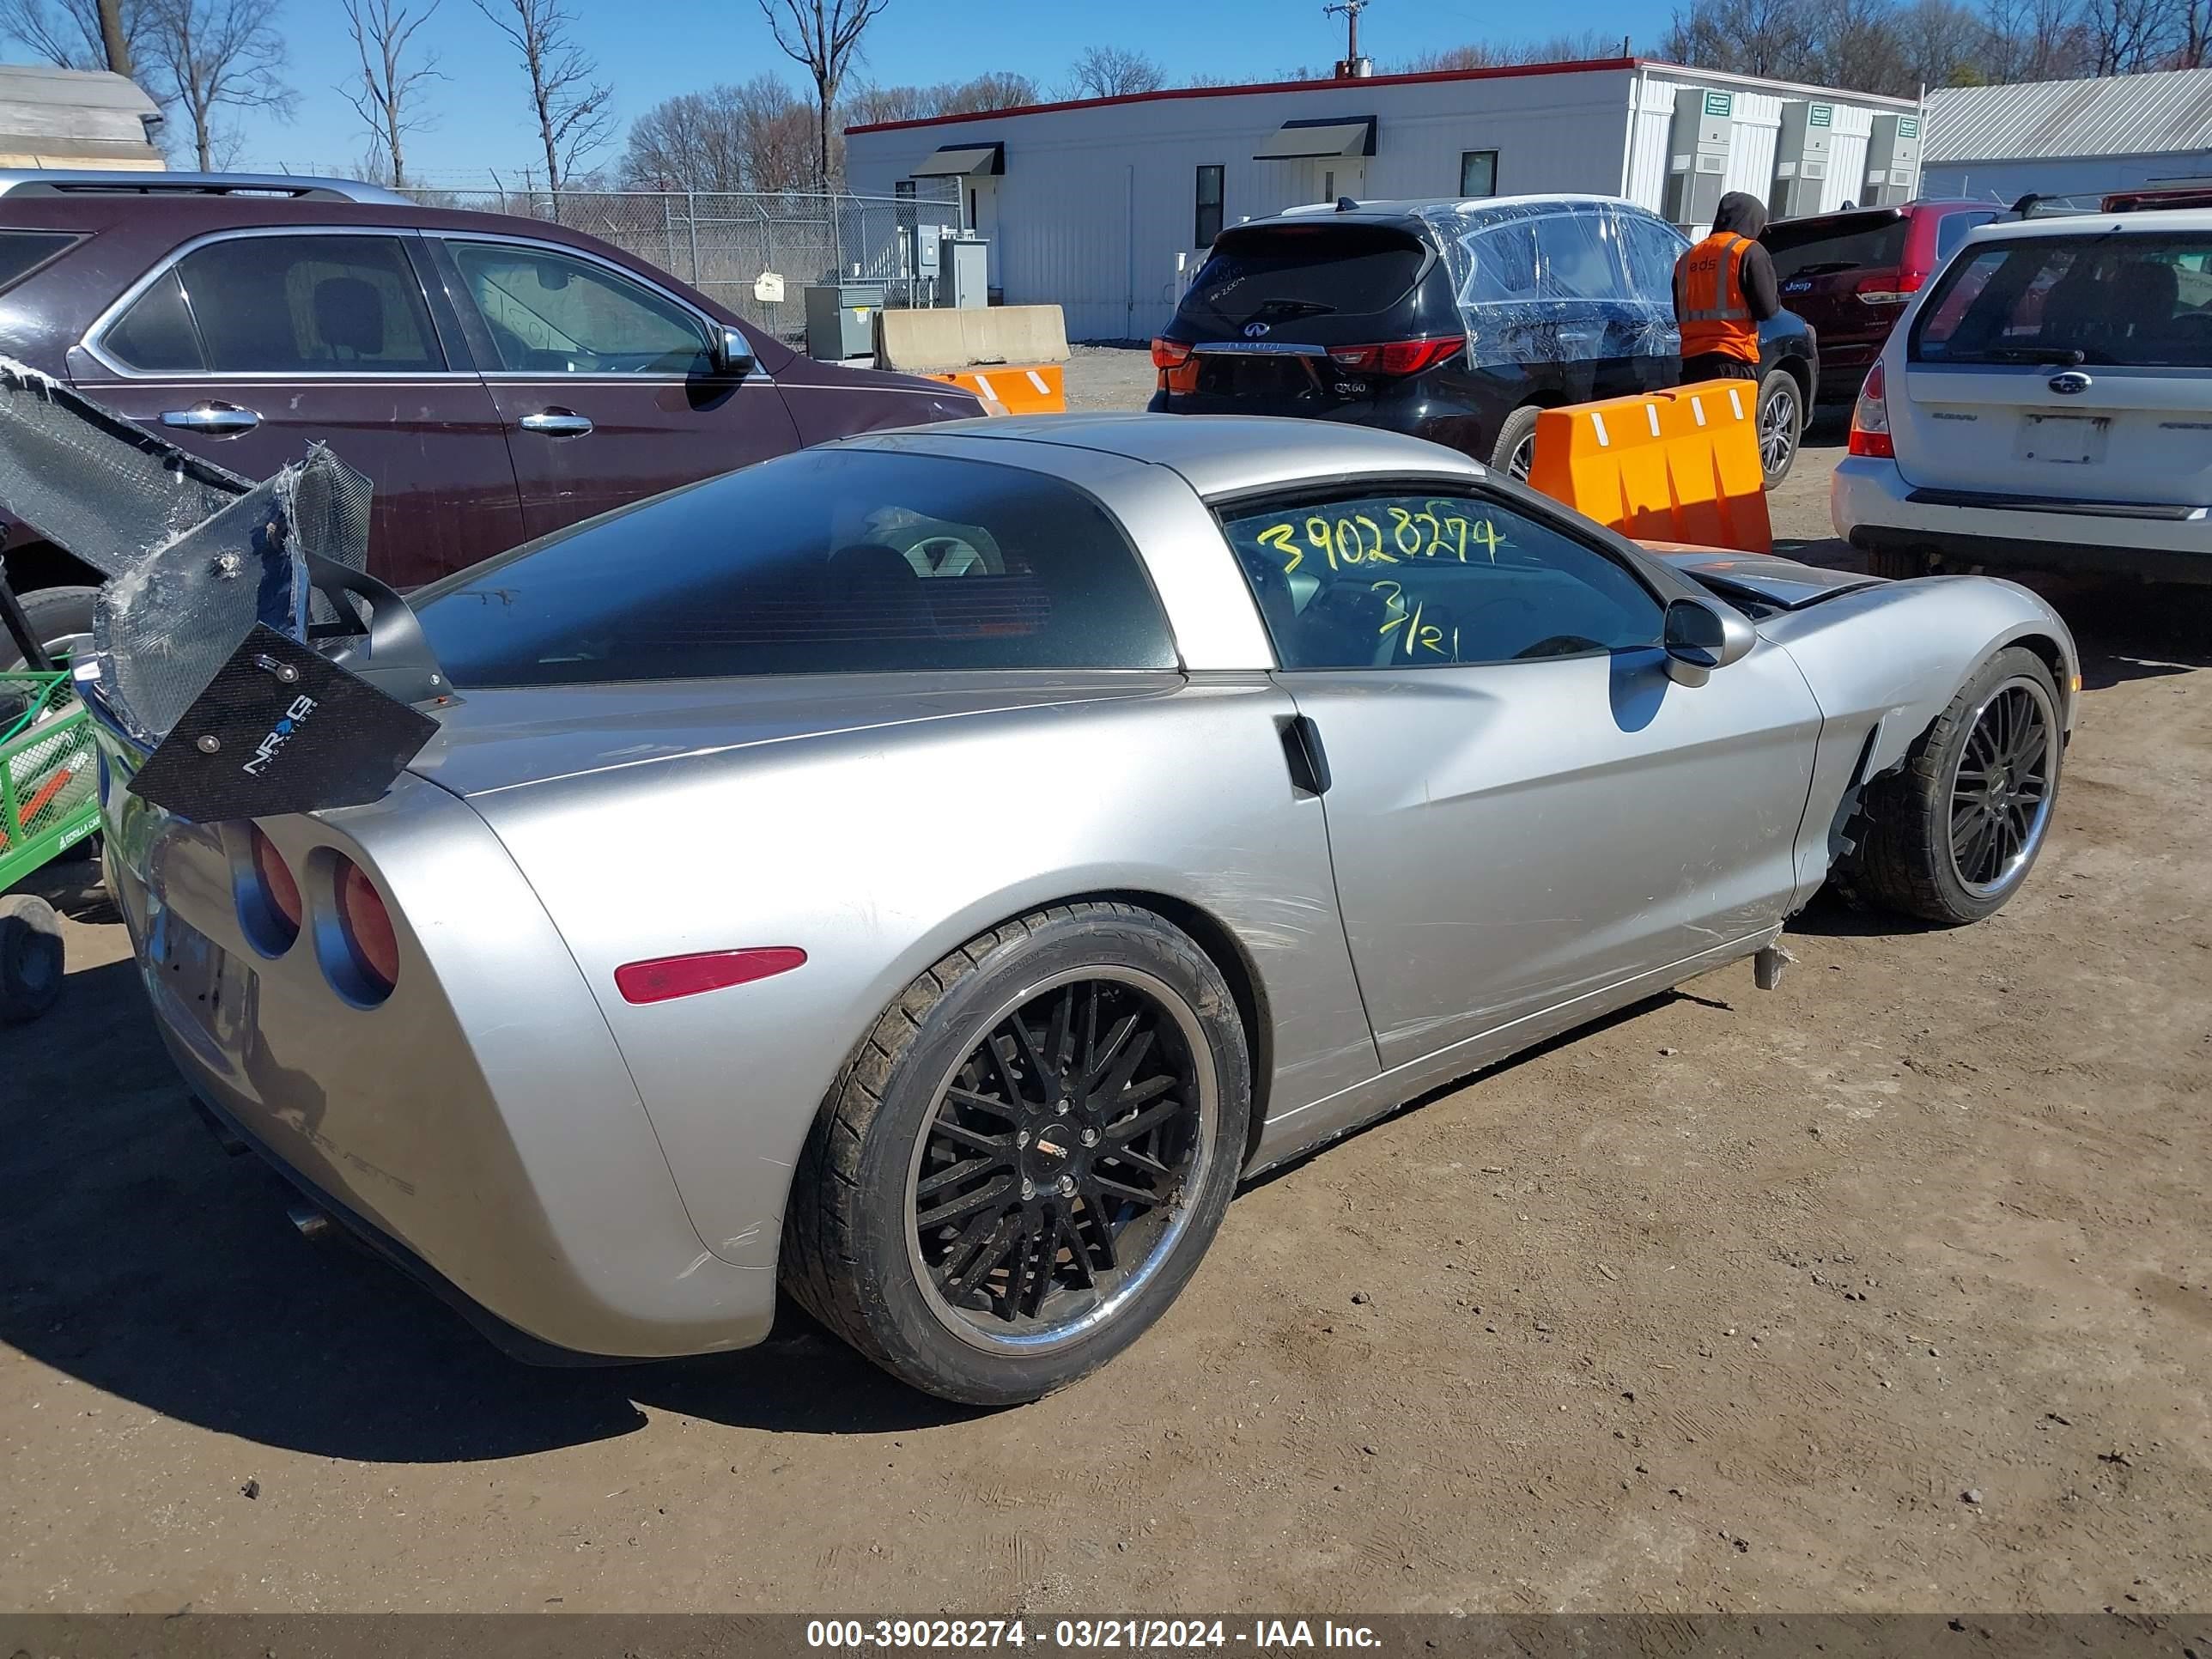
x=1051, y=1180
x=2001, y=790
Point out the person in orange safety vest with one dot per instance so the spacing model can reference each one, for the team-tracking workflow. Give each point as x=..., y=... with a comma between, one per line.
x=1724, y=290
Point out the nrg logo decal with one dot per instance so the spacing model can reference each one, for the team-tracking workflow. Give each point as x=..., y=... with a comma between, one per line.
x=280, y=734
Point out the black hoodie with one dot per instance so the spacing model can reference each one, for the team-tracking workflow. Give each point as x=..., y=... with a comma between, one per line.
x=1746, y=216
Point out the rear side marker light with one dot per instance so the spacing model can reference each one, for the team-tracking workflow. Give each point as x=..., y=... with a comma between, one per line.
x=664, y=979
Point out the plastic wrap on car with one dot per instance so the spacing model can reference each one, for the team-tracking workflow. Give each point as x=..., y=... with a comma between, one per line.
x=194, y=556
x=1516, y=294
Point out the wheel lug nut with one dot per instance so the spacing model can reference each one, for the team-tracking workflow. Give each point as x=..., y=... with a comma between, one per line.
x=1062, y=1110
x=1029, y=1188
x=1066, y=1186
x=1090, y=1136
x=1021, y=1137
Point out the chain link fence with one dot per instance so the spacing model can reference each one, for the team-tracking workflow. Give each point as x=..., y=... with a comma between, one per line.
x=723, y=242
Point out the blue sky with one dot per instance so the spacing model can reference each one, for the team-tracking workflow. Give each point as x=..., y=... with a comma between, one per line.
x=650, y=50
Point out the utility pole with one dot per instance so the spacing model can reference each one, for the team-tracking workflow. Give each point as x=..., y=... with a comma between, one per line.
x=1352, y=65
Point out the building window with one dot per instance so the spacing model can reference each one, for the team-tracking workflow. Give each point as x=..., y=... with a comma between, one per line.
x=903, y=187
x=1208, y=221
x=1477, y=173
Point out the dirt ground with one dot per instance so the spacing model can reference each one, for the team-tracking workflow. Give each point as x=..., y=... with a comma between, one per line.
x=1890, y=1288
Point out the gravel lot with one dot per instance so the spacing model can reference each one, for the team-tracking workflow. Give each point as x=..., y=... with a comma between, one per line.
x=1890, y=1288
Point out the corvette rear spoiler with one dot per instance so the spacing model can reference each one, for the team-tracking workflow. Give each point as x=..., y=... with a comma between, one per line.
x=230, y=613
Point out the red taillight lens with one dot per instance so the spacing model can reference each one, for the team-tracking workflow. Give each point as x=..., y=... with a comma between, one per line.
x=1889, y=288
x=1395, y=357
x=666, y=978
x=366, y=925
x=1870, y=420
x=278, y=884
x=1170, y=354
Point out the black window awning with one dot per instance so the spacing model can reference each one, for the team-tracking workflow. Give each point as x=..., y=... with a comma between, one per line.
x=963, y=160
x=1343, y=134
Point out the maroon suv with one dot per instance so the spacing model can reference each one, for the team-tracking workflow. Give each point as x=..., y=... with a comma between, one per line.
x=1850, y=275
x=497, y=378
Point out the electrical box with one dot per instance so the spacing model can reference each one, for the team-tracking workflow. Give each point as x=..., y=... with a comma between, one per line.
x=1697, y=146
x=840, y=321
x=965, y=261
x=1892, y=168
x=1800, y=160
x=925, y=250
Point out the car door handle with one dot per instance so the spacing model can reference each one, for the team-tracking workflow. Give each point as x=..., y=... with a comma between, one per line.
x=216, y=420
x=1303, y=754
x=556, y=423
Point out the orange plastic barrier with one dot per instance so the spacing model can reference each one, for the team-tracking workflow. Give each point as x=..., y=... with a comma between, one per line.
x=1680, y=466
x=1020, y=388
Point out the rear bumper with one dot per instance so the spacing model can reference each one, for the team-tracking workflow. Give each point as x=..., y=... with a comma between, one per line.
x=479, y=1128
x=1873, y=506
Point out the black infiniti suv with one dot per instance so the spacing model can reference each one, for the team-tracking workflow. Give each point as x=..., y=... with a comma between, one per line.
x=1454, y=321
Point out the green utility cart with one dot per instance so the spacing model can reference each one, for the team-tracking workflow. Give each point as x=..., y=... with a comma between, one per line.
x=49, y=802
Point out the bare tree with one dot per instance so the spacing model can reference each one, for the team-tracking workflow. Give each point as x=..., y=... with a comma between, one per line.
x=385, y=96
x=1771, y=38
x=77, y=34
x=208, y=57
x=823, y=35
x=574, y=110
x=1113, y=72
x=868, y=103
x=756, y=136
x=992, y=89
x=1584, y=47
x=2126, y=36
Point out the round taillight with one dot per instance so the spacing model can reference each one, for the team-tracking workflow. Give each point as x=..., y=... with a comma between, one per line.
x=366, y=927
x=269, y=907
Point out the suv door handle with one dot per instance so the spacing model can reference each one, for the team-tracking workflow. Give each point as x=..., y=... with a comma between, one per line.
x=215, y=419
x=556, y=423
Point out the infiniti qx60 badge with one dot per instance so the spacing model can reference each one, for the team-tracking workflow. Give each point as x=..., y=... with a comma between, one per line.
x=2070, y=383
x=1256, y=330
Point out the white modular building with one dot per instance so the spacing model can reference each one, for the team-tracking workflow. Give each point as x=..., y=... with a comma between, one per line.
x=2070, y=137
x=1104, y=205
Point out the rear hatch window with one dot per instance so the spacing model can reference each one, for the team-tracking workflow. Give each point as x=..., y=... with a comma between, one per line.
x=1320, y=276
x=2141, y=301
x=827, y=562
x=1836, y=244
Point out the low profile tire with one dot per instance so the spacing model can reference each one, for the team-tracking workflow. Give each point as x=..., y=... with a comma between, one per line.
x=1781, y=424
x=1514, y=454
x=60, y=619
x=1950, y=835
x=30, y=958
x=1020, y=1167
x=1896, y=563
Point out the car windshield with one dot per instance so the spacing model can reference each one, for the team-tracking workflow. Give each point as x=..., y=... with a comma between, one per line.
x=1827, y=246
x=2134, y=300
x=824, y=562
x=1281, y=272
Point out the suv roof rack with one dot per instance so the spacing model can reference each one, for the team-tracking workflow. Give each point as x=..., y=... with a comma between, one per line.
x=293, y=186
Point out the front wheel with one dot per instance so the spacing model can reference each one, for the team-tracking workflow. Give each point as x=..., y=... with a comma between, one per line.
x=1020, y=1168
x=60, y=619
x=1951, y=834
x=1781, y=424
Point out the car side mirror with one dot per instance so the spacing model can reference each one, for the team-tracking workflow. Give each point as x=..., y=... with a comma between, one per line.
x=1701, y=636
x=732, y=353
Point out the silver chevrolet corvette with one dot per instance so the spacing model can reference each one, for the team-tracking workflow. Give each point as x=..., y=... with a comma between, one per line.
x=928, y=872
